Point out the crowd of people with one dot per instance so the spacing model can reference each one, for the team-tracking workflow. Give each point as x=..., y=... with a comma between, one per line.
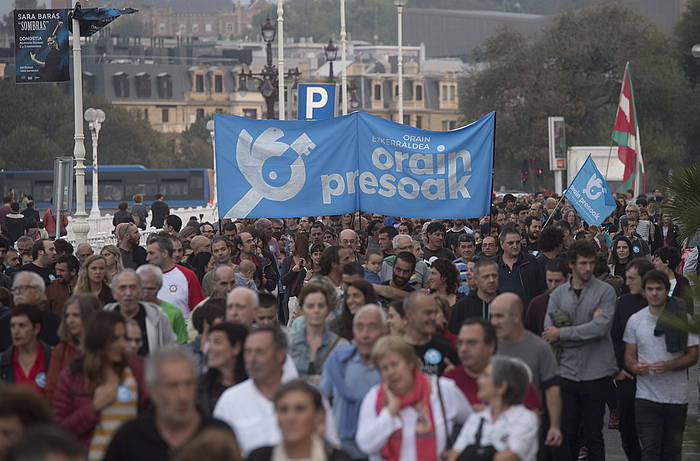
x=516, y=336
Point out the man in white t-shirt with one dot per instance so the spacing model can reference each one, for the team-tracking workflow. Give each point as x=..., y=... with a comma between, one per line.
x=180, y=285
x=660, y=356
x=248, y=407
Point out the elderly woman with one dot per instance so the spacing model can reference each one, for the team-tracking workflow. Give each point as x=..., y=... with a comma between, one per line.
x=309, y=346
x=408, y=416
x=300, y=415
x=505, y=428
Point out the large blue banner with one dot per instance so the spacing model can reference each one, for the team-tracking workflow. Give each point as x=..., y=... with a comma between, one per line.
x=272, y=168
x=590, y=194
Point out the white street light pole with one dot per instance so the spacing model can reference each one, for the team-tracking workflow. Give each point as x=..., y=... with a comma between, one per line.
x=215, y=199
x=280, y=58
x=95, y=117
x=343, y=62
x=80, y=225
x=399, y=6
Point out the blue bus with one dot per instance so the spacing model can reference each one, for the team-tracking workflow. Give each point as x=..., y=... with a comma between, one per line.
x=182, y=187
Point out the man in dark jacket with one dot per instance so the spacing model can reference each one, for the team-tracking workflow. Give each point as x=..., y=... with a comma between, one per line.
x=26, y=361
x=518, y=272
x=477, y=302
x=15, y=223
x=160, y=210
x=174, y=419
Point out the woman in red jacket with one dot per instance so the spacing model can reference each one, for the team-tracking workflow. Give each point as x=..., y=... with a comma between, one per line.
x=77, y=312
x=102, y=389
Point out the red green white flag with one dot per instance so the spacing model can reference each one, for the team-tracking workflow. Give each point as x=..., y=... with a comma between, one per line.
x=626, y=135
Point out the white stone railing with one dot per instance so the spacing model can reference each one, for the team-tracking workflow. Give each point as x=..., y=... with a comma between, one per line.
x=101, y=230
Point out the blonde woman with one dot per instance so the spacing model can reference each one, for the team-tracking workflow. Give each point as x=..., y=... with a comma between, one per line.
x=113, y=260
x=92, y=279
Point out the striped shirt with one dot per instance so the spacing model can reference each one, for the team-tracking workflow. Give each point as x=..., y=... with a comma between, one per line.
x=124, y=408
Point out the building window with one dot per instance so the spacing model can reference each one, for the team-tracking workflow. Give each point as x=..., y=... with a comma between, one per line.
x=207, y=27
x=229, y=28
x=199, y=83
x=195, y=28
x=453, y=124
x=161, y=28
x=406, y=119
x=182, y=28
x=164, y=85
x=443, y=92
x=453, y=92
x=445, y=125
x=145, y=114
x=219, y=83
x=143, y=85
x=165, y=115
x=250, y=113
x=120, y=80
x=419, y=121
x=200, y=114
x=419, y=92
x=377, y=92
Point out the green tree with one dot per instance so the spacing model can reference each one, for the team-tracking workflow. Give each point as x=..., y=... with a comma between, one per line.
x=574, y=68
x=36, y=125
x=195, y=149
x=688, y=34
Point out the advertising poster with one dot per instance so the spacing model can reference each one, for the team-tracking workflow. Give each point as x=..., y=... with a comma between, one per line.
x=41, y=46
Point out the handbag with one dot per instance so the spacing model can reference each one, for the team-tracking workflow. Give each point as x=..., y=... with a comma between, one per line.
x=476, y=451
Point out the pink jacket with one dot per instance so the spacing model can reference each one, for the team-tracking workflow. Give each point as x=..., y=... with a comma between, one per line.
x=72, y=404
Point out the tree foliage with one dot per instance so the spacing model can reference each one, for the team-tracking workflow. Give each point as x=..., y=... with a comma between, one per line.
x=36, y=125
x=574, y=68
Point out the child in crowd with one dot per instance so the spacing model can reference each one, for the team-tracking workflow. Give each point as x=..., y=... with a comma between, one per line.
x=373, y=265
x=247, y=269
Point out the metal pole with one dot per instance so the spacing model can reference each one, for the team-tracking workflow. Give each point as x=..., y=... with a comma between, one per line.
x=214, y=202
x=343, y=58
x=400, y=62
x=558, y=183
x=280, y=57
x=95, y=210
x=80, y=225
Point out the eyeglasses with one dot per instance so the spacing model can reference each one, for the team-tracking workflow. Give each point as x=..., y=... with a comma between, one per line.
x=22, y=288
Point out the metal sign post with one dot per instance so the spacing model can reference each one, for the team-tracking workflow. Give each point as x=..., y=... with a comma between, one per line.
x=62, y=189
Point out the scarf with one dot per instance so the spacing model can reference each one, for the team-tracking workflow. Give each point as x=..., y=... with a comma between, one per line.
x=317, y=451
x=419, y=399
x=336, y=365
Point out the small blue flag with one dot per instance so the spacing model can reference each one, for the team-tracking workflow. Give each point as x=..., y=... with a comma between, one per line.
x=590, y=194
x=93, y=19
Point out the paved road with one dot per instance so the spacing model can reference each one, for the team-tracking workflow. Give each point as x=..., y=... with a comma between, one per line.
x=691, y=442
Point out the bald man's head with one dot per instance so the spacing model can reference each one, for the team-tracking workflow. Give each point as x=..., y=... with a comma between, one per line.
x=507, y=317
x=200, y=243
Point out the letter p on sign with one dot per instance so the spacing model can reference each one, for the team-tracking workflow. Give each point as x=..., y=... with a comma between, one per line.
x=316, y=102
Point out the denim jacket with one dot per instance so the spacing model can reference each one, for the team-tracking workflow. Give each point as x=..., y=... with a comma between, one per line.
x=300, y=351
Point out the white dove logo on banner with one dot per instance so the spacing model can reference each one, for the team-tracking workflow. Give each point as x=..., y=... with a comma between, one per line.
x=594, y=182
x=251, y=156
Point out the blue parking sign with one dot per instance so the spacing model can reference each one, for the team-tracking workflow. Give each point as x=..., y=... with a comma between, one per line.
x=316, y=101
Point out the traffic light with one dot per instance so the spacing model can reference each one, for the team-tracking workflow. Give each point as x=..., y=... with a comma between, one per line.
x=524, y=174
x=539, y=173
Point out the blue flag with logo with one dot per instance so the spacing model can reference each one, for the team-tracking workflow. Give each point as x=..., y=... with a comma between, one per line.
x=590, y=194
x=272, y=168
x=93, y=19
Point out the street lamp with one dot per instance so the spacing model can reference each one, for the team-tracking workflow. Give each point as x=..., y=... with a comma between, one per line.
x=267, y=79
x=210, y=128
x=399, y=7
x=695, y=50
x=331, y=52
x=94, y=117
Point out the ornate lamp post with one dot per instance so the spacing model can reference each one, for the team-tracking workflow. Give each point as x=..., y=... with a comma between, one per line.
x=94, y=117
x=331, y=52
x=268, y=80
